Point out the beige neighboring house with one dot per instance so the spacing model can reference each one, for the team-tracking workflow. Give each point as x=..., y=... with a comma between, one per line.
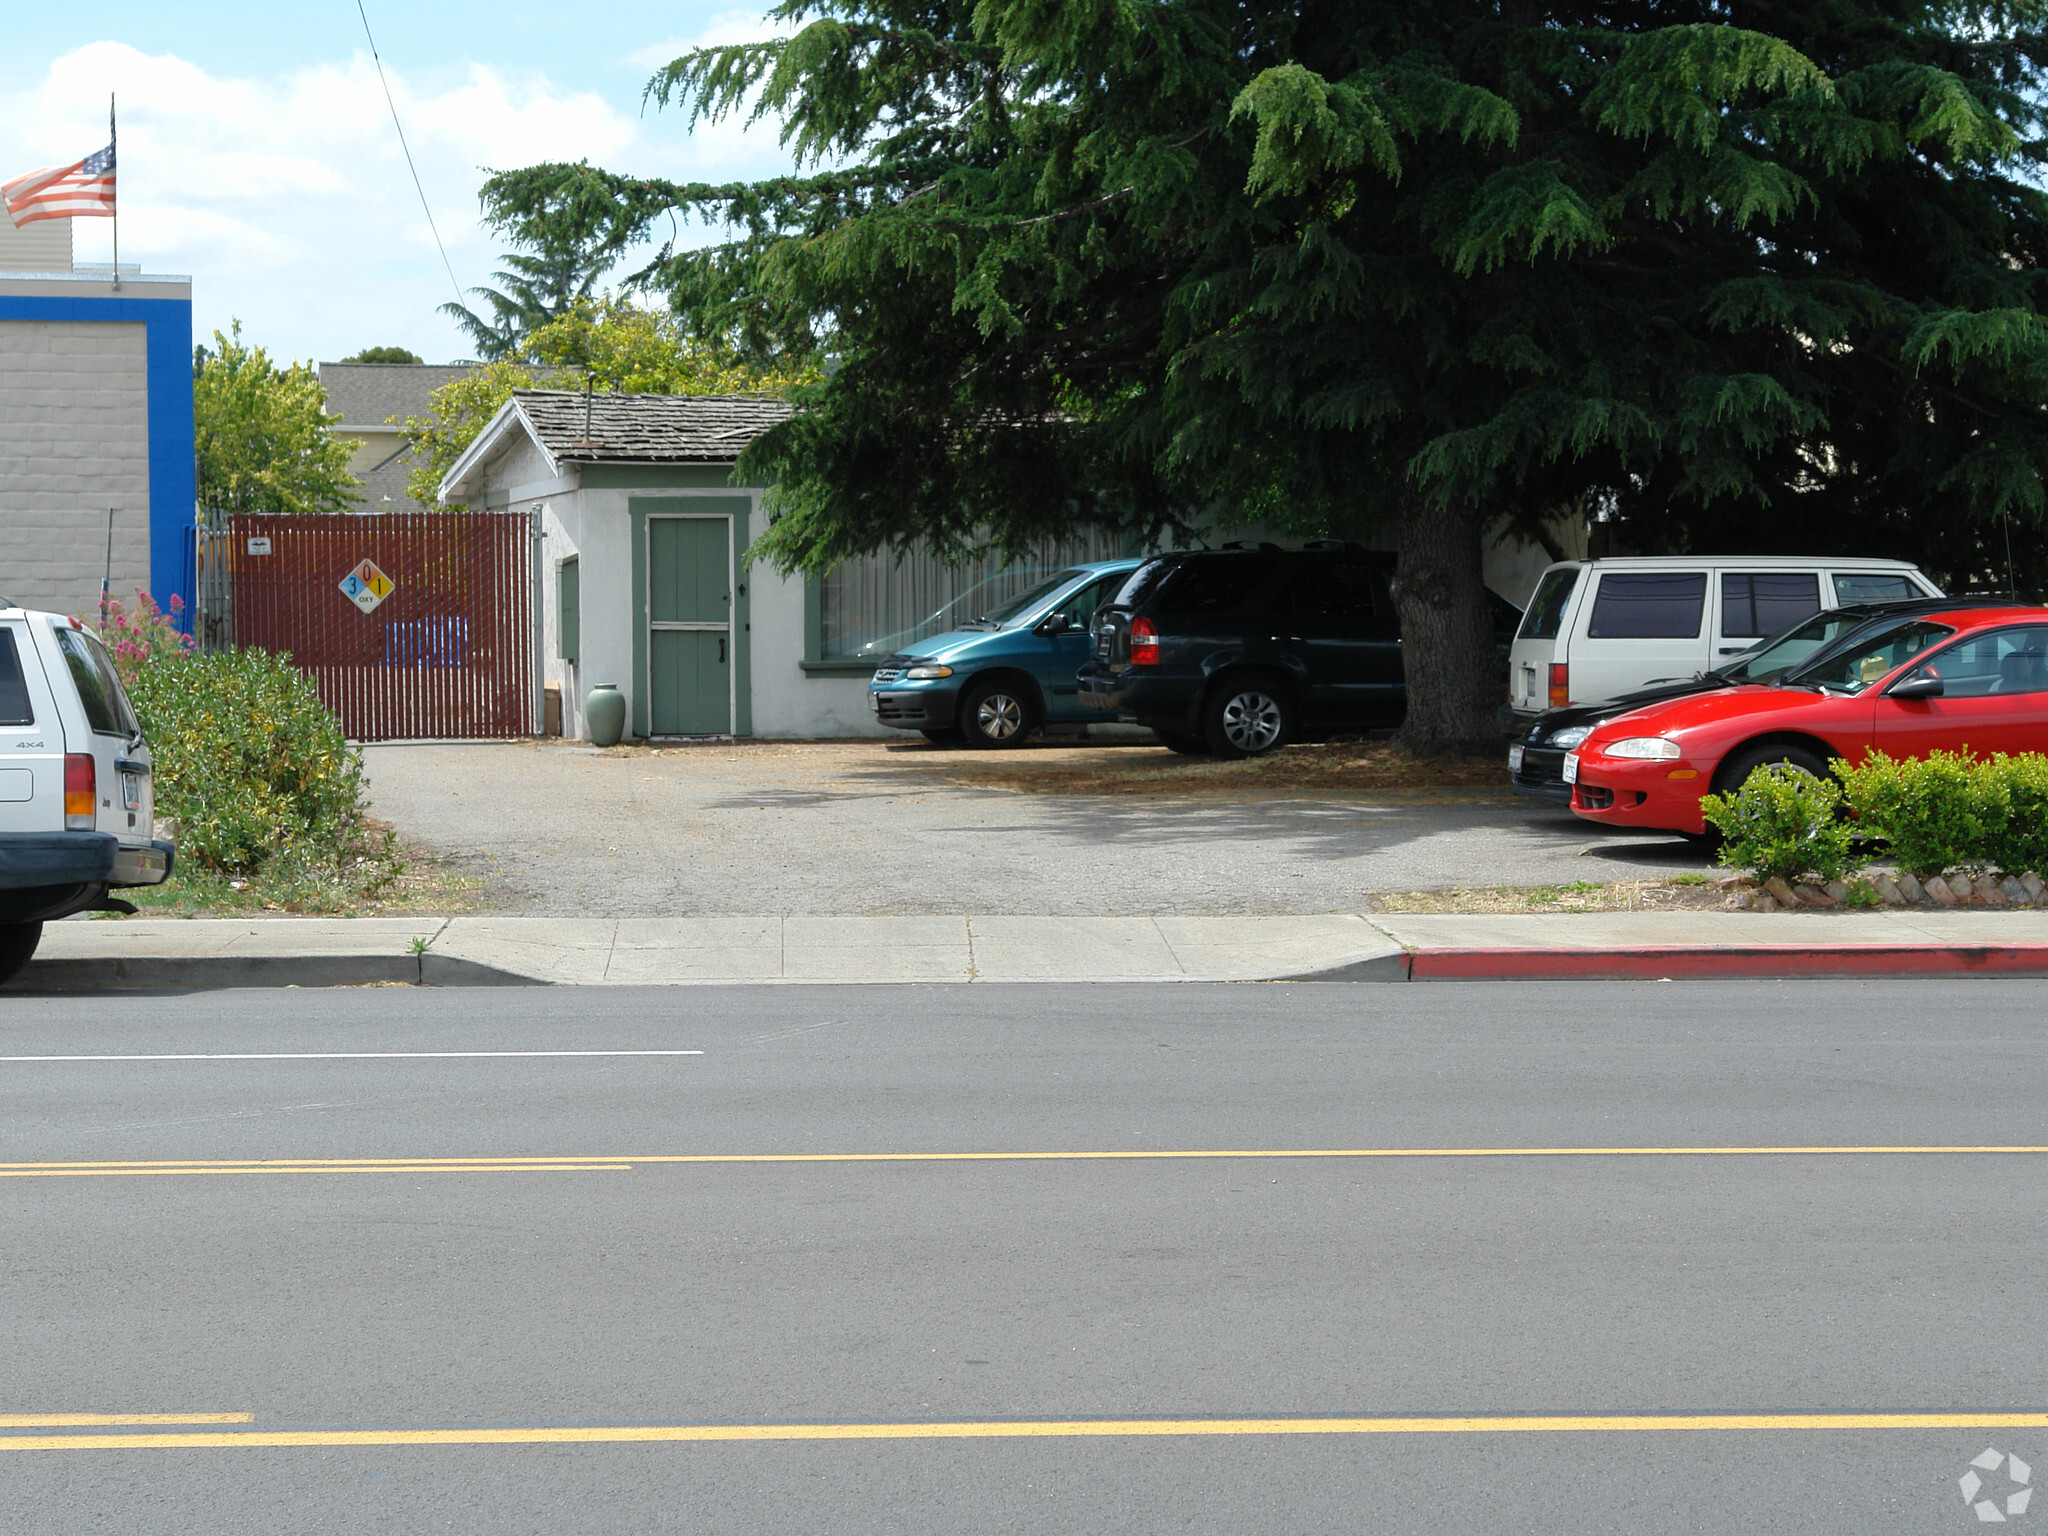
x=369, y=403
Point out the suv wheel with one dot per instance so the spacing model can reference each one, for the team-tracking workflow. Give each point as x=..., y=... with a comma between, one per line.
x=17, y=944
x=996, y=714
x=1248, y=717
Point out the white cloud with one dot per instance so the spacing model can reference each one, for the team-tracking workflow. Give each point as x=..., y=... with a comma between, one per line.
x=721, y=31
x=289, y=202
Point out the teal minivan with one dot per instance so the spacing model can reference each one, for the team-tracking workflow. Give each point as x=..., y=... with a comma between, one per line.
x=1008, y=673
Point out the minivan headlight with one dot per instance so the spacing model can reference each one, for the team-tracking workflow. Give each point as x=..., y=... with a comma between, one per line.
x=1570, y=736
x=1641, y=746
x=925, y=671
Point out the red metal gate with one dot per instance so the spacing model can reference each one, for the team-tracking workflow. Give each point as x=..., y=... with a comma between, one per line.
x=412, y=624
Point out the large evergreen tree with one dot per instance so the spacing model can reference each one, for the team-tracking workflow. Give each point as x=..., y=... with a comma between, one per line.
x=1742, y=275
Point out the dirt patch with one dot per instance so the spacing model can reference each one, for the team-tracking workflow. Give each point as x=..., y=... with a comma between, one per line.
x=1698, y=892
x=425, y=883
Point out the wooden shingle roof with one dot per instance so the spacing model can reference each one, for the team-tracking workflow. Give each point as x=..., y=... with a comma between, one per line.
x=646, y=429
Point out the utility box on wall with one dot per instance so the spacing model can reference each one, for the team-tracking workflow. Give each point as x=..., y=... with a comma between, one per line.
x=569, y=613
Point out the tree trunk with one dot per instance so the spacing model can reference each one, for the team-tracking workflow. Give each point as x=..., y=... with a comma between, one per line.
x=1455, y=687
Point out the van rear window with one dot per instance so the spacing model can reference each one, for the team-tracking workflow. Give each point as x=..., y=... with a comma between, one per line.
x=1664, y=605
x=1546, y=609
x=93, y=691
x=14, y=708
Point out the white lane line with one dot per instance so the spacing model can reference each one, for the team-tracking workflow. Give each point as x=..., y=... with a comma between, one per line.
x=349, y=1055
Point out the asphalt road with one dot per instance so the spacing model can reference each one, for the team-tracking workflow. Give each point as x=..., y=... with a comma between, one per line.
x=857, y=829
x=602, y=1287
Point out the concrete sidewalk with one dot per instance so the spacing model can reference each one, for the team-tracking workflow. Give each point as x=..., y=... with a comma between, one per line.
x=207, y=953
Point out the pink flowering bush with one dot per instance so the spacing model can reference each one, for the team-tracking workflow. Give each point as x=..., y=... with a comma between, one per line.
x=136, y=636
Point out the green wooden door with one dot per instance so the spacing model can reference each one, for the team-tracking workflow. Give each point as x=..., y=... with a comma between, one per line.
x=689, y=621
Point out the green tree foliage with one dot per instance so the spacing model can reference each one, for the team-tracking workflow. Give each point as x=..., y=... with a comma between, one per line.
x=385, y=355
x=1745, y=276
x=612, y=345
x=262, y=435
x=561, y=272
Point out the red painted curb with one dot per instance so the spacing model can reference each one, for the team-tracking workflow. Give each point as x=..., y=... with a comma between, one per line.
x=1704, y=960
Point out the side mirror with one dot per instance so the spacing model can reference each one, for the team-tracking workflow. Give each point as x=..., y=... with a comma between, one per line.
x=1925, y=686
x=1054, y=624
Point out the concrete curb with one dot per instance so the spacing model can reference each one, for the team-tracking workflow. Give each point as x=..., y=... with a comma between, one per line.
x=210, y=973
x=199, y=973
x=1394, y=967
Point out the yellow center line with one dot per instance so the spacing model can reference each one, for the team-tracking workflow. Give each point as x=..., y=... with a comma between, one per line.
x=573, y=1163
x=1009, y=1430
x=59, y=1171
x=62, y=1420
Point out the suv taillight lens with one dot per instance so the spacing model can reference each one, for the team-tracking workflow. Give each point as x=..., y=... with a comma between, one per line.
x=81, y=789
x=1144, y=644
x=1560, y=685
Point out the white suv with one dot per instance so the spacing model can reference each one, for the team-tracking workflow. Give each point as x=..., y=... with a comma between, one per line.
x=75, y=803
x=1597, y=629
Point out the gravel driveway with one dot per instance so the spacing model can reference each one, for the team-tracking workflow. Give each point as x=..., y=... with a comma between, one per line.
x=878, y=828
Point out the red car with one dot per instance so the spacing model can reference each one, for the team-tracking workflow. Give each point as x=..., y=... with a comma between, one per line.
x=1952, y=676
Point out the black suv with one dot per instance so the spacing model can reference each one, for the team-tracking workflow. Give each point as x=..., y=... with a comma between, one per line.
x=1241, y=650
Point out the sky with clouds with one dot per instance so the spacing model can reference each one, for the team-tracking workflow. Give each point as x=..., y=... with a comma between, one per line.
x=258, y=155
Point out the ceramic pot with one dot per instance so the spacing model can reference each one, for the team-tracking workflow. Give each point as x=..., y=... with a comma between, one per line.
x=604, y=708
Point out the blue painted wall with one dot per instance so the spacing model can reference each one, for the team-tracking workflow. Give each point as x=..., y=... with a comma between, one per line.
x=173, y=489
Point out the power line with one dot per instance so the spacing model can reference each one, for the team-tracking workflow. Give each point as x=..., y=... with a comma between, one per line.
x=429, y=212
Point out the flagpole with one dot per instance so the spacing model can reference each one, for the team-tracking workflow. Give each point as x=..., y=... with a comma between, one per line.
x=113, y=139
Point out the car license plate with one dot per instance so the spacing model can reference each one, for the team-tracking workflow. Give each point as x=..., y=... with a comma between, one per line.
x=1571, y=767
x=131, y=791
x=1514, y=759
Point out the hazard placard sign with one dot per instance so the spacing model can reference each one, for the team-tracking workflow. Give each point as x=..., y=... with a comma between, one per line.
x=366, y=586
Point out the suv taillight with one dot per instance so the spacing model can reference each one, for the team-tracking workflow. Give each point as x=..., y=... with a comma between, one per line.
x=1560, y=685
x=1144, y=643
x=81, y=789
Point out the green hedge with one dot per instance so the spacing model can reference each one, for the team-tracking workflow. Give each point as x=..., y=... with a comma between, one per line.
x=1947, y=811
x=1782, y=822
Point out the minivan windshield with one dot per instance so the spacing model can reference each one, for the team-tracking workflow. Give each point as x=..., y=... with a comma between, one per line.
x=1778, y=655
x=1017, y=607
x=1869, y=658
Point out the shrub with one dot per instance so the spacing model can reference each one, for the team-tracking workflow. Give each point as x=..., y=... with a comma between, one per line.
x=254, y=769
x=1782, y=821
x=2023, y=845
x=1936, y=813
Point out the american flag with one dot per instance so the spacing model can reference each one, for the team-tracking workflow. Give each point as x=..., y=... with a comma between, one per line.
x=81, y=191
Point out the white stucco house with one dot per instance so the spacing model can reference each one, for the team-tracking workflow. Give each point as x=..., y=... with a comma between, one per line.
x=643, y=584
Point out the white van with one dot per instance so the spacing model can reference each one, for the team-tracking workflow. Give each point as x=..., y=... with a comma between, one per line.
x=1598, y=628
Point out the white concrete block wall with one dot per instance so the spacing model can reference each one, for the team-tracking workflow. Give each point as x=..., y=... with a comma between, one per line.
x=44, y=246
x=74, y=440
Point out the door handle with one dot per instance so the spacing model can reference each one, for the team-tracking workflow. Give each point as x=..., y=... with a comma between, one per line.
x=721, y=650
